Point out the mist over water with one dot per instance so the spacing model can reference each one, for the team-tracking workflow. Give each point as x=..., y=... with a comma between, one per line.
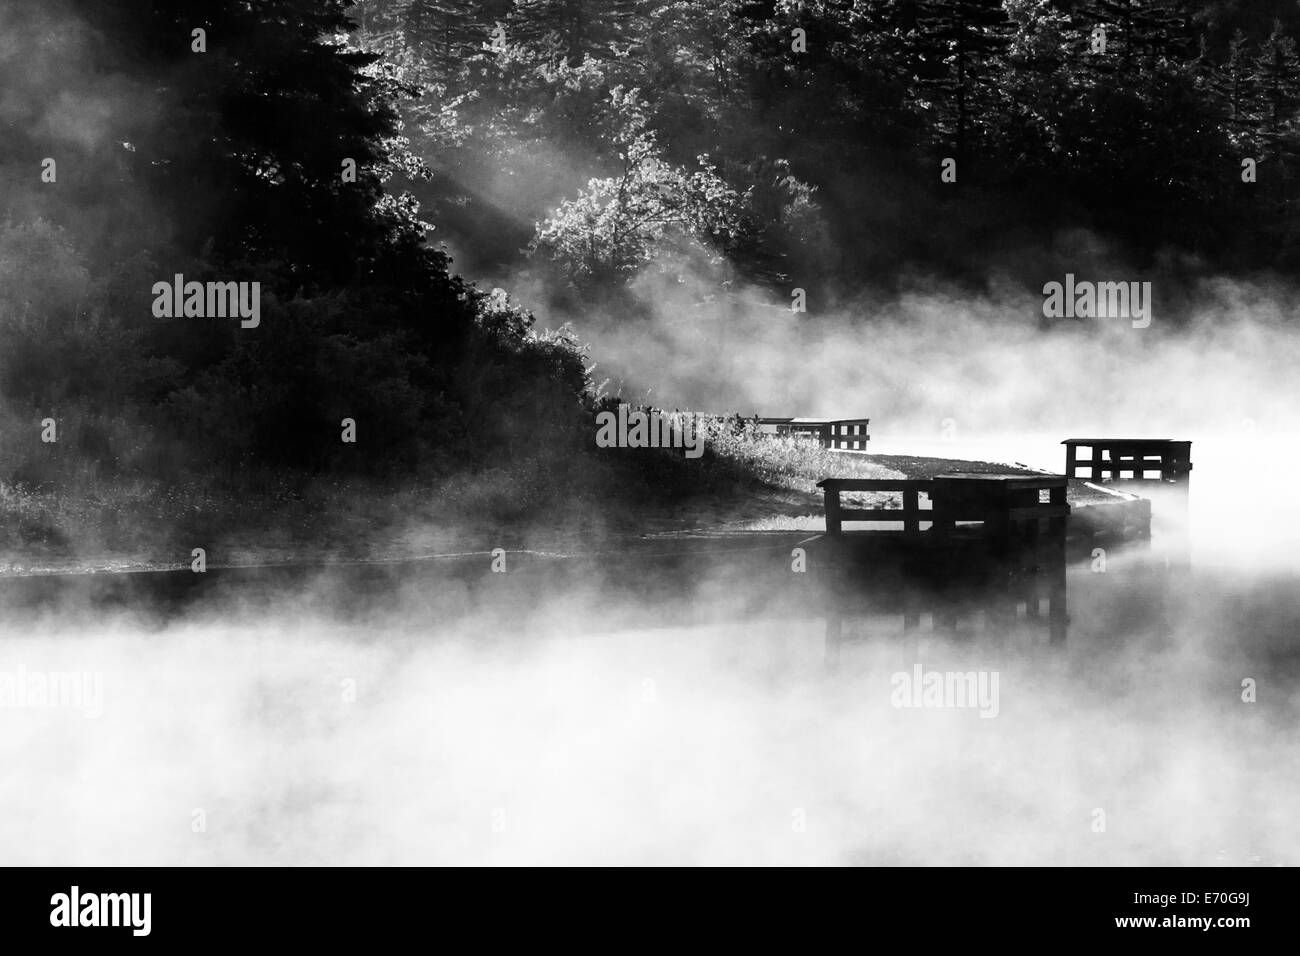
x=1218, y=360
x=592, y=726
x=549, y=736
x=630, y=719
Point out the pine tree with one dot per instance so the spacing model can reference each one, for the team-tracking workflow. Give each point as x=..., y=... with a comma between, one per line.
x=1277, y=77
x=1140, y=34
x=248, y=166
x=960, y=48
x=1233, y=84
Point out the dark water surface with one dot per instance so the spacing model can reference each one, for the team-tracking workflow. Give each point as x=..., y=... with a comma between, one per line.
x=685, y=703
x=679, y=701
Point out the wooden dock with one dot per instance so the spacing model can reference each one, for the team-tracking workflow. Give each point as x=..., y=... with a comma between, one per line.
x=1096, y=503
x=1006, y=506
x=997, y=541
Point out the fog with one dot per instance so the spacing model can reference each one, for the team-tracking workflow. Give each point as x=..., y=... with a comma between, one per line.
x=429, y=725
x=409, y=735
x=1218, y=359
x=947, y=372
x=593, y=727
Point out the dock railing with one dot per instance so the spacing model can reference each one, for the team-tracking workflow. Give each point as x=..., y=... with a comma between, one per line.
x=1110, y=458
x=910, y=514
x=839, y=434
x=999, y=501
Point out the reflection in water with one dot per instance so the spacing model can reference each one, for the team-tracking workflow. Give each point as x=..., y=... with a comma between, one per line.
x=1022, y=589
x=675, y=712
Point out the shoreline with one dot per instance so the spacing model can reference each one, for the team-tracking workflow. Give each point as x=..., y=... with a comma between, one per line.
x=792, y=507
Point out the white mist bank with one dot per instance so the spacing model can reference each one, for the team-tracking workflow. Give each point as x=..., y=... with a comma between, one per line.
x=989, y=363
x=712, y=744
x=408, y=739
x=956, y=374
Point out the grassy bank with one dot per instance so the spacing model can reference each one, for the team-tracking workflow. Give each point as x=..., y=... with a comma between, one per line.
x=547, y=495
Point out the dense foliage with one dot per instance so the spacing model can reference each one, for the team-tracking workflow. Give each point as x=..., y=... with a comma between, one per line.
x=572, y=145
x=227, y=163
x=826, y=122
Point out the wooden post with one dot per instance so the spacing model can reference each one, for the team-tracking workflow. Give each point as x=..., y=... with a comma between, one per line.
x=938, y=523
x=1096, y=463
x=941, y=522
x=1069, y=461
x=1030, y=532
x=1175, y=463
x=1057, y=526
x=997, y=522
x=912, y=511
x=832, y=510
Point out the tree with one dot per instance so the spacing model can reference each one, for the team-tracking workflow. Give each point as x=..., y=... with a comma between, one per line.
x=1233, y=83
x=1277, y=77
x=1160, y=29
x=446, y=34
x=249, y=161
x=610, y=230
x=573, y=29
x=235, y=161
x=959, y=47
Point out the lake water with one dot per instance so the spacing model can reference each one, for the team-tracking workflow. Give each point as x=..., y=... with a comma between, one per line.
x=640, y=717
